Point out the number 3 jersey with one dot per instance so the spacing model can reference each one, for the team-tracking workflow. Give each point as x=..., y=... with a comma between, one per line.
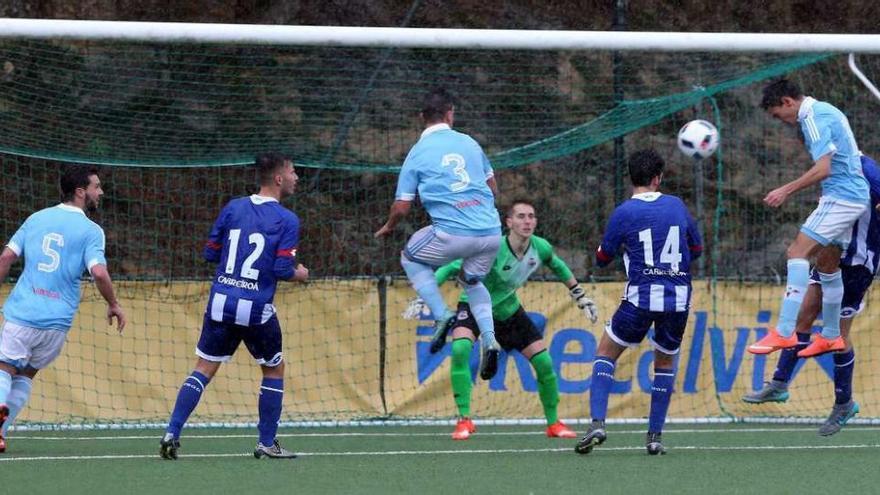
x=660, y=238
x=254, y=244
x=58, y=245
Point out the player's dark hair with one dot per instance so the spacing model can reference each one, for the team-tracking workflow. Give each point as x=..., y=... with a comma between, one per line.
x=644, y=165
x=518, y=201
x=436, y=103
x=774, y=92
x=72, y=178
x=268, y=165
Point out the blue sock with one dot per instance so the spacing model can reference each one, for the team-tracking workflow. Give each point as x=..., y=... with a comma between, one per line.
x=5, y=386
x=796, y=287
x=481, y=307
x=661, y=392
x=844, y=362
x=788, y=359
x=600, y=387
x=187, y=400
x=17, y=398
x=271, y=395
x=422, y=279
x=832, y=295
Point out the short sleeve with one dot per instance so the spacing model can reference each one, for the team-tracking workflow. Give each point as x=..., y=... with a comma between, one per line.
x=16, y=243
x=408, y=181
x=487, y=167
x=95, y=246
x=817, y=137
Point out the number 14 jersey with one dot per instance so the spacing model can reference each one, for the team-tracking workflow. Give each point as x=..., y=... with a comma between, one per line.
x=660, y=238
x=254, y=243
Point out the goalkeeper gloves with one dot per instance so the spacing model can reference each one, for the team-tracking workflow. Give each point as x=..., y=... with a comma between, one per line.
x=414, y=309
x=584, y=303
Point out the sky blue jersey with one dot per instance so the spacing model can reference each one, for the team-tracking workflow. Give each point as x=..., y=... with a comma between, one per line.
x=448, y=170
x=254, y=242
x=58, y=245
x=826, y=131
x=660, y=238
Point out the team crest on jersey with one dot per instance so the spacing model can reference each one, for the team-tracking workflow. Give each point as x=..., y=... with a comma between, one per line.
x=533, y=262
x=506, y=267
x=462, y=315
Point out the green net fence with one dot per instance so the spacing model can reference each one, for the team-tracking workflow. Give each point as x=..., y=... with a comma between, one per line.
x=174, y=127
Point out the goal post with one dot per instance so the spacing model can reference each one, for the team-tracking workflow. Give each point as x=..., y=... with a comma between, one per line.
x=173, y=113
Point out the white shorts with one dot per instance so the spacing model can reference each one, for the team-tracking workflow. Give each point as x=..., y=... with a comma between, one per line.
x=435, y=248
x=832, y=221
x=23, y=347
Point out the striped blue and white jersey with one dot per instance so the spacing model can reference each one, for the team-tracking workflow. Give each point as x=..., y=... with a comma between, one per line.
x=660, y=238
x=449, y=171
x=826, y=131
x=58, y=245
x=254, y=242
x=864, y=247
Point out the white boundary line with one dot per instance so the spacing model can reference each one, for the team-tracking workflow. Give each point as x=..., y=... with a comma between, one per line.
x=451, y=452
x=423, y=434
x=183, y=32
x=431, y=422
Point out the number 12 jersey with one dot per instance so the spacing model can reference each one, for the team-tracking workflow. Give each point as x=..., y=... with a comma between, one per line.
x=254, y=243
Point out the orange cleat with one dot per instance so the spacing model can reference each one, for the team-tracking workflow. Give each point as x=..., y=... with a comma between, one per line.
x=559, y=430
x=821, y=345
x=463, y=429
x=4, y=413
x=773, y=342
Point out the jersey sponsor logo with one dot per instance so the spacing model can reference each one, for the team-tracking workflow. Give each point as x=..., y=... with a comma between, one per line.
x=663, y=273
x=467, y=204
x=239, y=284
x=47, y=293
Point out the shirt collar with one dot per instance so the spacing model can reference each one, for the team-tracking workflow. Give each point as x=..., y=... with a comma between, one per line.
x=436, y=127
x=71, y=208
x=805, y=108
x=647, y=196
x=258, y=200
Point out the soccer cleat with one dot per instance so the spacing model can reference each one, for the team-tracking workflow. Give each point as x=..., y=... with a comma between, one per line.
x=821, y=345
x=770, y=392
x=168, y=447
x=594, y=436
x=275, y=451
x=463, y=429
x=840, y=414
x=442, y=327
x=654, y=444
x=559, y=430
x=773, y=342
x=489, y=359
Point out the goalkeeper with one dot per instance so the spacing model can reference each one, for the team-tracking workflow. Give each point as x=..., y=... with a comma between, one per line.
x=520, y=254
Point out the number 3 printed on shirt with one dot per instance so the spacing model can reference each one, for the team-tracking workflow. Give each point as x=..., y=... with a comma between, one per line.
x=457, y=163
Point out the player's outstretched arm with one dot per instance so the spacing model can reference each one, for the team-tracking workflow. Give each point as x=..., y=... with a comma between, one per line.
x=399, y=209
x=105, y=287
x=7, y=258
x=817, y=173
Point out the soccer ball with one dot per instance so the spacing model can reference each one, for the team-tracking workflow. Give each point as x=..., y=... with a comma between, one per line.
x=698, y=139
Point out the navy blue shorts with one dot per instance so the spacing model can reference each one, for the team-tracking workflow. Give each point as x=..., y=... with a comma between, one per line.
x=629, y=326
x=219, y=341
x=856, y=281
